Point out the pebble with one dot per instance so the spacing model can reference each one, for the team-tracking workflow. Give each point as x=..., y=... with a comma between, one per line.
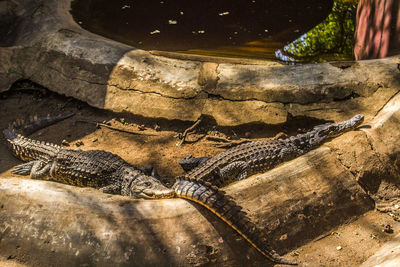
x=79, y=143
x=64, y=143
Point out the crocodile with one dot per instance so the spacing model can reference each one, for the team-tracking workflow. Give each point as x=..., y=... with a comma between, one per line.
x=93, y=168
x=253, y=157
x=111, y=174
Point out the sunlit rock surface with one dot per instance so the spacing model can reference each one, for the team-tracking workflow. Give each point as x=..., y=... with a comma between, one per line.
x=387, y=256
x=49, y=222
x=296, y=202
x=49, y=48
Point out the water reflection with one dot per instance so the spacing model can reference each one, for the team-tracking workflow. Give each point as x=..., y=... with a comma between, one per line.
x=240, y=28
x=330, y=40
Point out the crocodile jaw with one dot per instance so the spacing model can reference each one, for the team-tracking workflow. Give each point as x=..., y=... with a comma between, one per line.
x=148, y=187
x=330, y=130
x=159, y=193
x=348, y=125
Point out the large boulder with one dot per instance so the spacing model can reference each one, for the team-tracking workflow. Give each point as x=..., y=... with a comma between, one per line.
x=46, y=46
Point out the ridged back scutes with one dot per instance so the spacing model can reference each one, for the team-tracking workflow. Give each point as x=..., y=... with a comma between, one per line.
x=26, y=148
x=244, y=152
x=95, y=168
x=266, y=154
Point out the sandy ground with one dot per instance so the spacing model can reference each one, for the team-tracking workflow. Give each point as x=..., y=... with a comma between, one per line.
x=348, y=245
x=162, y=150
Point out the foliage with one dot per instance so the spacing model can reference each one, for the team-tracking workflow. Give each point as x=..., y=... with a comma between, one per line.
x=334, y=36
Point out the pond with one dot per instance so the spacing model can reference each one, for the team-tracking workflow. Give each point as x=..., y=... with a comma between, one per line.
x=286, y=30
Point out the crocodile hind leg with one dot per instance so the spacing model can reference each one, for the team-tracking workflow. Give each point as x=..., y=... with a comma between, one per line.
x=23, y=169
x=236, y=170
x=37, y=169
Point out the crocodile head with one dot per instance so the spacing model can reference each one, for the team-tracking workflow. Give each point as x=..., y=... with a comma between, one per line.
x=138, y=185
x=334, y=129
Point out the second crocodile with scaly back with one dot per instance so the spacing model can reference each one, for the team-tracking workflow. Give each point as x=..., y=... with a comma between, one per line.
x=259, y=156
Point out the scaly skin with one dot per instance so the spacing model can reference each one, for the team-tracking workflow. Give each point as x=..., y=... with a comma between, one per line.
x=259, y=156
x=226, y=209
x=95, y=168
x=111, y=174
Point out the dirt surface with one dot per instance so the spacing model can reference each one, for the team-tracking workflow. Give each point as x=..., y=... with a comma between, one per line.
x=348, y=245
x=4, y=262
x=157, y=144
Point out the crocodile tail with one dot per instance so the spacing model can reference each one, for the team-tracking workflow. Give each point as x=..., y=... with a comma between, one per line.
x=25, y=148
x=225, y=208
x=34, y=123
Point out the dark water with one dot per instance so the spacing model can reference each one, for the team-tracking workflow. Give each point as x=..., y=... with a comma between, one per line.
x=238, y=28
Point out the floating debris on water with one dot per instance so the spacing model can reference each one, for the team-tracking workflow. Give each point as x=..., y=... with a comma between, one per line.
x=224, y=13
x=248, y=29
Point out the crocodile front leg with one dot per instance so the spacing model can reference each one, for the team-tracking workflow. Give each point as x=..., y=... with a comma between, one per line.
x=189, y=162
x=111, y=189
x=150, y=171
x=40, y=170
